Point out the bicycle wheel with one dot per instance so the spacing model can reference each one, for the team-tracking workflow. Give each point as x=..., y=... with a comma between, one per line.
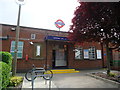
x=28, y=75
x=48, y=74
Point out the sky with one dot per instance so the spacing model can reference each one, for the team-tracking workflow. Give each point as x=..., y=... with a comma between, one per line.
x=38, y=13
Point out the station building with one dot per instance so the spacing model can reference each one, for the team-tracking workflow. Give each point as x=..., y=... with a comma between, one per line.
x=52, y=48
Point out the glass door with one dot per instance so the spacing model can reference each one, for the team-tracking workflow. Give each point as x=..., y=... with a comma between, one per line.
x=59, y=57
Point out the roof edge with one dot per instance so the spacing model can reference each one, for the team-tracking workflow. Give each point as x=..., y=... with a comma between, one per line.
x=32, y=28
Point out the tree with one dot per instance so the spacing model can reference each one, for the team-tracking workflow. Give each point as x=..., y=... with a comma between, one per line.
x=99, y=22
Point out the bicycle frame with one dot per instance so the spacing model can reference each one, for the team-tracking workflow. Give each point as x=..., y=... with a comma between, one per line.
x=45, y=73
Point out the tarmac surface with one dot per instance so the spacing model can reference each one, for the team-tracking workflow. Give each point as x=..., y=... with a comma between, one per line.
x=69, y=80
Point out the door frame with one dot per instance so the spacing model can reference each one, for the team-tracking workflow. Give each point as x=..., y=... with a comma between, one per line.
x=54, y=59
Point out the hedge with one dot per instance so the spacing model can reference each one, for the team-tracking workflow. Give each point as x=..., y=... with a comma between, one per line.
x=0, y=75
x=6, y=57
x=4, y=74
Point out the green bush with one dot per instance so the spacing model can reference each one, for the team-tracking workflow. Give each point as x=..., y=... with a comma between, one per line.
x=4, y=74
x=0, y=75
x=6, y=57
x=112, y=74
x=16, y=80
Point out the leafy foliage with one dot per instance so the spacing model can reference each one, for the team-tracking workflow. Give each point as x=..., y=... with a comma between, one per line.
x=6, y=57
x=4, y=74
x=112, y=74
x=16, y=80
x=97, y=21
x=0, y=75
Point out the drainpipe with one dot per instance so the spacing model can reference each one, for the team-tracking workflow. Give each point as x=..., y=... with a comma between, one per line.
x=46, y=53
x=102, y=55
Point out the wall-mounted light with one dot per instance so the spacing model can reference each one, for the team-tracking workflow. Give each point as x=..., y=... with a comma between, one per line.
x=13, y=29
x=31, y=43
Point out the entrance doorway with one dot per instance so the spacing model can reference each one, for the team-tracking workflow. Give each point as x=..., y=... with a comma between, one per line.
x=60, y=57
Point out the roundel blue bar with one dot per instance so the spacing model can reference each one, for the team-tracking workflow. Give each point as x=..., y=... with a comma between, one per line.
x=59, y=23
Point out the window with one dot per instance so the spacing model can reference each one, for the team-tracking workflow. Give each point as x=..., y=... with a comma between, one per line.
x=86, y=54
x=92, y=52
x=33, y=36
x=99, y=54
x=38, y=50
x=20, y=49
x=78, y=53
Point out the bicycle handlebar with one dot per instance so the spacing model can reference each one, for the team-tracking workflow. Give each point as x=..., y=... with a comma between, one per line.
x=43, y=66
x=33, y=65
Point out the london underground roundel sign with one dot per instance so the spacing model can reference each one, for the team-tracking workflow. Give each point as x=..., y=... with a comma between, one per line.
x=59, y=23
x=20, y=2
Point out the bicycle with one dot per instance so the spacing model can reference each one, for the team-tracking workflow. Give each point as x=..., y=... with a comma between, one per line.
x=45, y=73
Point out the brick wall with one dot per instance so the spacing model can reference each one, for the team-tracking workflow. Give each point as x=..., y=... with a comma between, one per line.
x=25, y=36
x=84, y=63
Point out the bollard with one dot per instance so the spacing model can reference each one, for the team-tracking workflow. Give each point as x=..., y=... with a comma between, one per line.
x=34, y=71
x=50, y=84
x=45, y=82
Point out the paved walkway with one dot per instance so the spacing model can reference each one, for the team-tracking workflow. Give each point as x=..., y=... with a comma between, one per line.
x=38, y=83
x=70, y=80
x=78, y=80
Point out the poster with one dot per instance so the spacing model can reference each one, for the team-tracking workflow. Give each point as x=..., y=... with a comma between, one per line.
x=99, y=55
x=86, y=53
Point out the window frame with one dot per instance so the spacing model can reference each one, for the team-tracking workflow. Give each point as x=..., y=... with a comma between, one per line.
x=12, y=49
x=33, y=36
x=92, y=53
x=42, y=50
x=80, y=49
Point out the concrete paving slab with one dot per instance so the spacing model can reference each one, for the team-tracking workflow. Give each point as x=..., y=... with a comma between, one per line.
x=79, y=80
x=38, y=83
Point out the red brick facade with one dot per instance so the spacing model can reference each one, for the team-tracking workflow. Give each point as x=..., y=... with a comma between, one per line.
x=28, y=49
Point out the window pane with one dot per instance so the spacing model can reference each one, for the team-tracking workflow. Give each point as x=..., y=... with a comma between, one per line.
x=92, y=53
x=38, y=51
x=20, y=43
x=12, y=53
x=12, y=48
x=19, y=55
x=78, y=53
x=13, y=43
x=99, y=54
x=86, y=54
x=33, y=36
x=19, y=48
